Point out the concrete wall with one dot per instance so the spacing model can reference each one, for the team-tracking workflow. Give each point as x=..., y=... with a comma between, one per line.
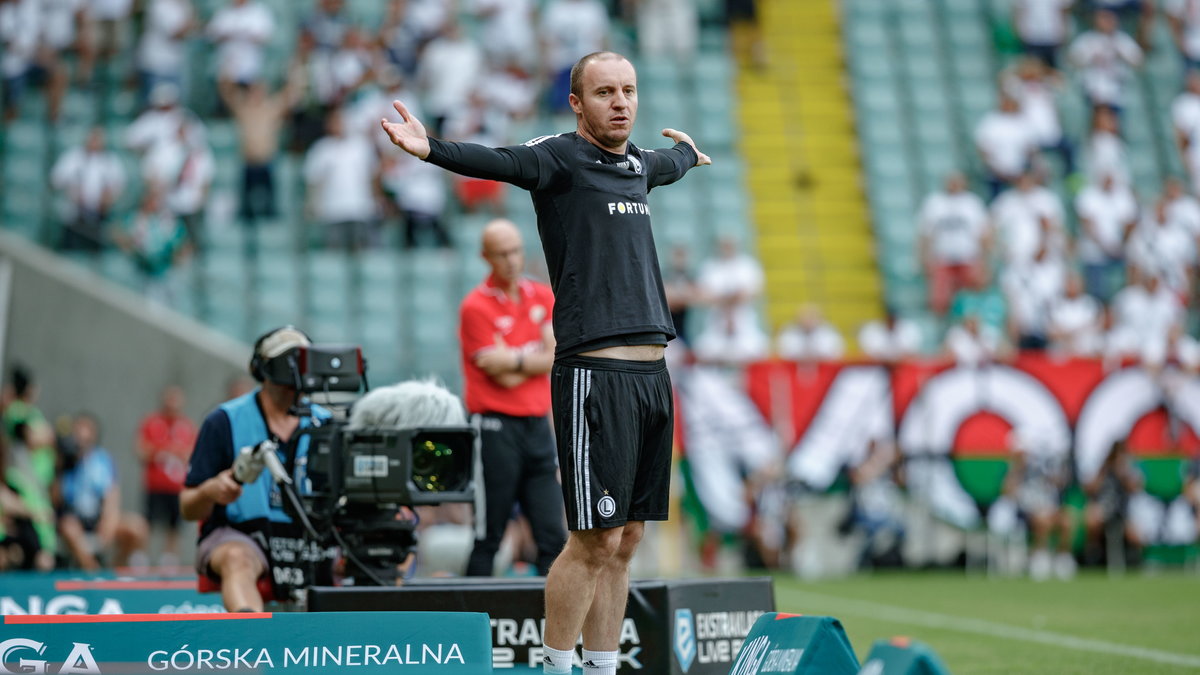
x=95, y=346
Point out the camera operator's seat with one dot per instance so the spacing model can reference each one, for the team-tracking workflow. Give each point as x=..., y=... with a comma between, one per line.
x=206, y=585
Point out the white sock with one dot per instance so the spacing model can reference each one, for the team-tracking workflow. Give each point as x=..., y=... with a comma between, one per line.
x=556, y=661
x=599, y=663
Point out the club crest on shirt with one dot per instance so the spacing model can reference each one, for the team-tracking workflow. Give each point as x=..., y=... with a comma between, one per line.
x=537, y=313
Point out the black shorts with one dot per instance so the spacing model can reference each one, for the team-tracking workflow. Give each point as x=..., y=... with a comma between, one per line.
x=614, y=421
x=162, y=508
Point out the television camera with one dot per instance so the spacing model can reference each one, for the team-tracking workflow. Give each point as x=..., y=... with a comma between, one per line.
x=357, y=484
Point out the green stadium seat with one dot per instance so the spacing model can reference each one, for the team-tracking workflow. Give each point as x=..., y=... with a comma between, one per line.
x=917, y=35
x=867, y=36
x=376, y=299
x=225, y=273
x=225, y=239
x=881, y=130
x=924, y=71
x=966, y=33
x=880, y=100
x=274, y=237
x=915, y=9
x=222, y=137
x=863, y=10
x=892, y=197
x=118, y=267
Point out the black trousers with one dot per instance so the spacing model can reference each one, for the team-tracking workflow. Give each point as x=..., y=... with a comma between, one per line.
x=520, y=467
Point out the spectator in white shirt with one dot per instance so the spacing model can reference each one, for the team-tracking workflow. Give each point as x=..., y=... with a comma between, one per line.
x=241, y=30
x=1106, y=153
x=350, y=66
x=340, y=172
x=18, y=48
x=184, y=170
x=1185, y=117
x=507, y=31
x=1145, y=314
x=1107, y=213
x=63, y=29
x=667, y=28
x=972, y=343
x=1042, y=26
x=1184, y=18
x=109, y=25
x=1028, y=217
x=569, y=30
x=162, y=54
x=450, y=68
x=1076, y=322
x=409, y=25
x=1104, y=56
x=327, y=25
x=1031, y=290
x=954, y=235
x=159, y=126
x=1184, y=350
x=1006, y=142
x=511, y=95
x=91, y=178
x=1161, y=244
x=1182, y=208
x=890, y=339
x=419, y=192
x=810, y=338
x=1034, y=86
x=1137, y=12
x=730, y=284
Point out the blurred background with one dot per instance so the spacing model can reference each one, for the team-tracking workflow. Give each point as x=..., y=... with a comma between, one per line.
x=936, y=294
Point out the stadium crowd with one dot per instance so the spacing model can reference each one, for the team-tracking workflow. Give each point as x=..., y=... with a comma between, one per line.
x=1009, y=272
x=338, y=76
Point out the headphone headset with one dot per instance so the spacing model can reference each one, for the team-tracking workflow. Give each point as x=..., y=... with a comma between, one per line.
x=257, y=362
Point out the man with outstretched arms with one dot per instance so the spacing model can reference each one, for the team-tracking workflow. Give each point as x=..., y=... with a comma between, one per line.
x=611, y=395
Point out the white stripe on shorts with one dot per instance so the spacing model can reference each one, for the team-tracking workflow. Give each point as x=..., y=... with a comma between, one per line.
x=587, y=454
x=575, y=437
x=580, y=445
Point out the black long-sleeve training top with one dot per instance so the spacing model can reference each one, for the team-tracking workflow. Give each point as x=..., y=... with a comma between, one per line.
x=594, y=223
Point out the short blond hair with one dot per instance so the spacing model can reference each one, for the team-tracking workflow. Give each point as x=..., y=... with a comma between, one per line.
x=577, y=69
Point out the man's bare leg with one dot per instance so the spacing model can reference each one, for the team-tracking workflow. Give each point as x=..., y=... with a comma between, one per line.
x=602, y=626
x=572, y=582
x=239, y=570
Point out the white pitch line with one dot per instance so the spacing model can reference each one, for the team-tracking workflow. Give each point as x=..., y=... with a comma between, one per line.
x=900, y=614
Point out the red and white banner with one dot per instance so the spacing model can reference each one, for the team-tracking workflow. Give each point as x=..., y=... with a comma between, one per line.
x=828, y=413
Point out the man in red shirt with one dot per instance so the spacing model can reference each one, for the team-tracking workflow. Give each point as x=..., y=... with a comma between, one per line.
x=165, y=443
x=508, y=349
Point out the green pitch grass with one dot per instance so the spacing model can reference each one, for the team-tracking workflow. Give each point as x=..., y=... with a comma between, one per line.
x=1094, y=624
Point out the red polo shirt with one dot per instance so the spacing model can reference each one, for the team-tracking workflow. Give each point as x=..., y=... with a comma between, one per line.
x=487, y=312
x=171, y=441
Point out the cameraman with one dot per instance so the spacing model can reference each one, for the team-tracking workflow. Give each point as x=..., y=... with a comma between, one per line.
x=242, y=524
x=508, y=349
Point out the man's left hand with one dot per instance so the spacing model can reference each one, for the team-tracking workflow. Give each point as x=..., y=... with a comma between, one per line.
x=680, y=137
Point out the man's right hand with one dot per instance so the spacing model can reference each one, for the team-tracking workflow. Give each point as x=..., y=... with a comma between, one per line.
x=409, y=135
x=222, y=488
